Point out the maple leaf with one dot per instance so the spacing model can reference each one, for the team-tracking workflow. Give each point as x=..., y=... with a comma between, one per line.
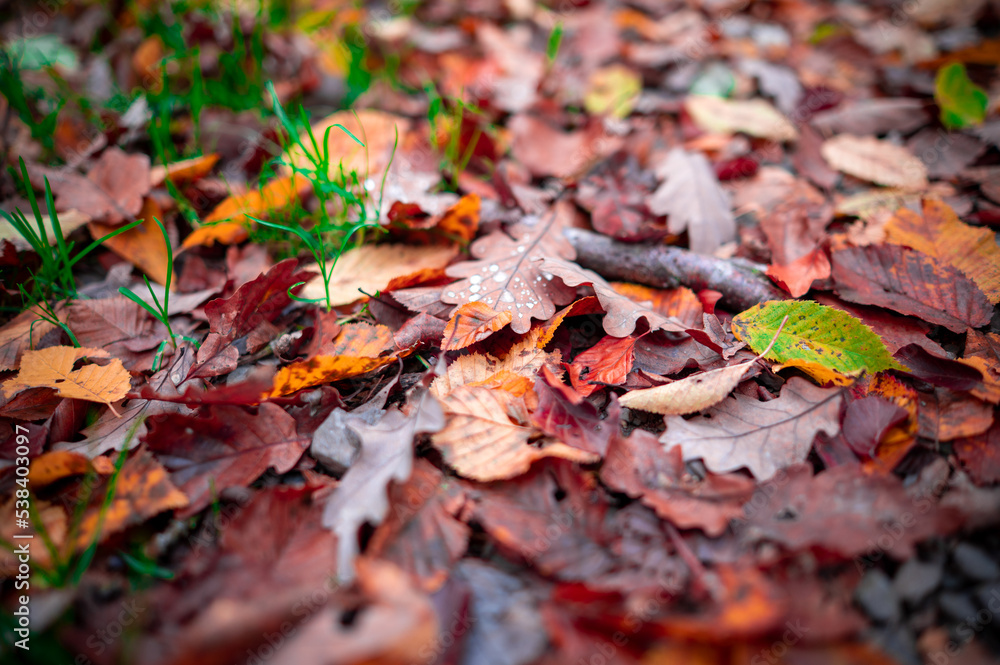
x=762, y=436
x=506, y=276
x=53, y=368
x=386, y=454
x=622, y=311
x=694, y=201
x=226, y=448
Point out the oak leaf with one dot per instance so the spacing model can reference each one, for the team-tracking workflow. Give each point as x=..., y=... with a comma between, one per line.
x=694, y=201
x=506, y=275
x=762, y=436
x=53, y=368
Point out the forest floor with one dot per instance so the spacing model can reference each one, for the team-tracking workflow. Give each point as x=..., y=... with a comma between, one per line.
x=500, y=333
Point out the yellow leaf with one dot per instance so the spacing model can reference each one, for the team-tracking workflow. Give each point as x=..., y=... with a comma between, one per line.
x=613, y=90
x=53, y=368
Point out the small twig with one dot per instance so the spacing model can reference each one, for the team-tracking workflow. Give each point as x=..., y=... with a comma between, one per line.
x=664, y=266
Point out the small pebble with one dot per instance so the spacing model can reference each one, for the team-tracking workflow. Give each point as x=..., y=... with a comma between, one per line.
x=916, y=579
x=877, y=598
x=974, y=563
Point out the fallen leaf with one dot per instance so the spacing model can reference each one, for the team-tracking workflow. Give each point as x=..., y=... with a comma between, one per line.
x=679, y=303
x=226, y=447
x=606, y=363
x=798, y=276
x=570, y=418
x=112, y=192
x=472, y=322
x=688, y=395
x=910, y=282
x=870, y=159
x=186, y=170
x=622, y=311
x=845, y=511
x=386, y=454
x=765, y=437
x=612, y=90
x=939, y=233
x=694, y=201
x=547, y=151
x=69, y=221
x=56, y=465
x=53, y=368
x=481, y=442
x=370, y=268
x=962, y=102
x=816, y=335
x=755, y=117
x=255, y=303
x=524, y=360
x=506, y=275
x=143, y=246
x=275, y=195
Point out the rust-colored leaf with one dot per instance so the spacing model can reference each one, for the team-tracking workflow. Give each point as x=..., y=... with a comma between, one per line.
x=910, y=282
x=939, y=233
x=473, y=322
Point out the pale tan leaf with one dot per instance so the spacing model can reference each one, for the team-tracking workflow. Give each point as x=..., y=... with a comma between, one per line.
x=370, y=268
x=524, y=359
x=870, y=159
x=688, y=395
x=755, y=117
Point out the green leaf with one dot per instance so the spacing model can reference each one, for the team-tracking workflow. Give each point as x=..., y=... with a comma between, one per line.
x=962, y=102
x=826, y=343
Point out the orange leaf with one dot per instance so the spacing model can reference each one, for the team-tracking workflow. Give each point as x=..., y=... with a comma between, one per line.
x=143, y=246
x=473, y=322
x=681, y=303
x=461, y=221
x=609, y=361
x=224, y=233
x=797, y=277
x=940, y=233
x=185, y=170
x=524, y=359
x=53, y=368
x=18, y=334
x=56, y=465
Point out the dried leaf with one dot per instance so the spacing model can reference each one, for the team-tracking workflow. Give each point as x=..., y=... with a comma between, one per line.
x=910, y=282
x=111, y=193
x=227, y=447
x=622, y=311
x=939, y=233
x=755, y=117
x=53, y=368
x=524, y=359
x=472, y=322
x=386, y=455
x=688, y=395
x=765, y=437
x=143, y=246
x=870, y=159
x=606, y=363
x=694, y=201
x=370, y=268
x=506, y=275
x=798, y=276
x=680, y=303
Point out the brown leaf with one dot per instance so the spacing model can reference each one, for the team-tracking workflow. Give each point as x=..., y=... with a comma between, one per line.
x=386, y=455
x=143, y=246
x=870, y=159
x=481, y=441
x=53, y=368
x=370, y=268
x=547, y=151
x=694, y=201
x=622, y=311
x=845, y=511
x=910, y=282
x=939, y=233
x=765, y=437
x=473, y=322
x=111, y=193
x=506, y=275
x=228, y=447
